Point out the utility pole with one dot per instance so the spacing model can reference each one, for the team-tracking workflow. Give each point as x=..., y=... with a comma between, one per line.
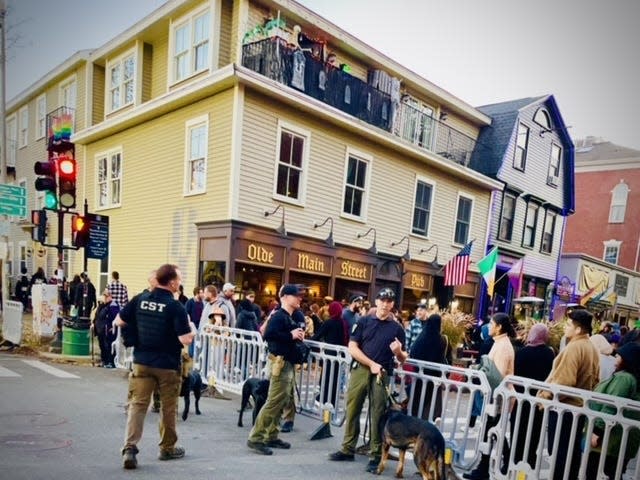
x=3, y=138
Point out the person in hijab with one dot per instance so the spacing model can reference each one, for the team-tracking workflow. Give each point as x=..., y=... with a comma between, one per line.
x=605, y=349
x=534, y=361
x=429, y=346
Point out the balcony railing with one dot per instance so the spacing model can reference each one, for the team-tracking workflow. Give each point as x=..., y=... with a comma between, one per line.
x=276, y=59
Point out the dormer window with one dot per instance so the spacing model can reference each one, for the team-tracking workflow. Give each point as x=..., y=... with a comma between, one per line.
x=191, y=45
x=121, y=81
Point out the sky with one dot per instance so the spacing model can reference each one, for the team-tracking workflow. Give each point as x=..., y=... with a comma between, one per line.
x=584, y=52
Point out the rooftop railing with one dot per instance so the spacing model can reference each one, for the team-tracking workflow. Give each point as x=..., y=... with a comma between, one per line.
x=280, y=61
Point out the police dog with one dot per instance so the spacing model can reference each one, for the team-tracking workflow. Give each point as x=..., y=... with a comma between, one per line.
x=402, y=431
x=191, y=382
x=256, y=389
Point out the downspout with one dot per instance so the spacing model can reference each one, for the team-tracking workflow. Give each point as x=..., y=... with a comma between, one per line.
x=555, y=280
x=635, y=264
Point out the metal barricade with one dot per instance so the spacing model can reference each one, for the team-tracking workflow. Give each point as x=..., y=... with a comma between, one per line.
x=123, y=356
x=532, y=433
x=446, y=392
x=322, y=381
x=227, y=356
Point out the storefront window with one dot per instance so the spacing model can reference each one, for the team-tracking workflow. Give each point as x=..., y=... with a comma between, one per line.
x=212, y=273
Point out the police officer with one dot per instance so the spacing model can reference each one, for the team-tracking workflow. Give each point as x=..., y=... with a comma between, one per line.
x=375, y=341
x=157, y=325
x=281, y=335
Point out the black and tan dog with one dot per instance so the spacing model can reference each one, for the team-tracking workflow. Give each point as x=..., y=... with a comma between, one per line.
x=191, y=382
x=402, y=431
x=256, y=389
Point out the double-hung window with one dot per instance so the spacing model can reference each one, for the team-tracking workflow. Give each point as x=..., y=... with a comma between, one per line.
x=548, y=232
x=356, y=179
x=12, y=141
x=41, y=116
x=618, y=203
x=611, y=251
x=196, y=161
x=122, y=81
x=291, y=163
x=109, y=178
x=23, y=134
x=191, y=49
x=522, y=144
x=554, y=165
x=422, y=208
x=530, y=225
x=463, y=220
x=507, y=216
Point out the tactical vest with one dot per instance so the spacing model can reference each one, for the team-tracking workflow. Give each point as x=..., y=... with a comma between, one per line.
x=155, y=324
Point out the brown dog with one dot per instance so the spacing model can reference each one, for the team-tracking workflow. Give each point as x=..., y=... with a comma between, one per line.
x=402, y=432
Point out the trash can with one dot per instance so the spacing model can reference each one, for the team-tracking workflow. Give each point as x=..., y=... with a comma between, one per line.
x=75, y=336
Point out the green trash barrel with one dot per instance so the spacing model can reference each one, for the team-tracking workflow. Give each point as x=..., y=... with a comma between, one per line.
x=75, y=337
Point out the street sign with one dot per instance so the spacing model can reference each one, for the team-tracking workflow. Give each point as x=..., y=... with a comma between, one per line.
x=98, y=245
x=16, y=190
x=13, y=210
x=13, y=200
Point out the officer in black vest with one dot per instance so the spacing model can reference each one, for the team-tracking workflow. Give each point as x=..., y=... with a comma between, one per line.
x=157, y=326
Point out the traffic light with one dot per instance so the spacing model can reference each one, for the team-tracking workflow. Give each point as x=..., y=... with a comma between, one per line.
x=46, y=182
x=79, y=231
x=39, y=219
x=67, y=175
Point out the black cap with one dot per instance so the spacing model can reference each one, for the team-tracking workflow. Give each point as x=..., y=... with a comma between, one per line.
x=386, y=294
x=355, y=298
x=290, y=289
x=582, y=318
x=422, y=305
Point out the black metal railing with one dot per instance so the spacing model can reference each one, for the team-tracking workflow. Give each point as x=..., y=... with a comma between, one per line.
x=278, y=60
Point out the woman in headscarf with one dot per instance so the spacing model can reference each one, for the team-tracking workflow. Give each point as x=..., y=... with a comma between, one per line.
x=534, y=361
x=331, y=331
x=429, y=346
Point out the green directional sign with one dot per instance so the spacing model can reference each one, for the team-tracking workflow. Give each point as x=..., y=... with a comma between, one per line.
x=13, y=210
x=16, y=190
x=10, y=200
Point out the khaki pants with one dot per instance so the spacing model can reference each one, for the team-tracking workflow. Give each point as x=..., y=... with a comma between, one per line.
x=363, y=384
x=142, y=382
x=279, y=396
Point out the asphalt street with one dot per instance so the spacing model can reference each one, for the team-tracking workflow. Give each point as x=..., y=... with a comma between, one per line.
x=66, y=421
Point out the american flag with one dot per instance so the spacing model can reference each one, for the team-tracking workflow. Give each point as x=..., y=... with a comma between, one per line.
x=455, y=271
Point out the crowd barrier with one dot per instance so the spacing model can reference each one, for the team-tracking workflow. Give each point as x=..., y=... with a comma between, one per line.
x=527, y=439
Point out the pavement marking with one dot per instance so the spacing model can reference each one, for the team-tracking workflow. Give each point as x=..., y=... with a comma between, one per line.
x=5, y=372
x=56, y=372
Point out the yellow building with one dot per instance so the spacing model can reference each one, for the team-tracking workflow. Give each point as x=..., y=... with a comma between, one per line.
x=215, y=135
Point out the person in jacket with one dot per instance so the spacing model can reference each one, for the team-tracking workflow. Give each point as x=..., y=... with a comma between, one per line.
x=534, y=361
x=623, y=383
x=577, y=366
x=281, y=335
x=503, y=357
x=429, y=346
x=104, y=329
x=331, y=331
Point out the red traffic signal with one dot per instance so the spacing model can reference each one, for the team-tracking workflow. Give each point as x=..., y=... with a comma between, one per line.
x=67, y=175
x=79, y=231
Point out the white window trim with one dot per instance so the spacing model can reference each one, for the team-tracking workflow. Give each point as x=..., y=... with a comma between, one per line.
x=119, y=60
x=11, y=259
x=214, y=22
x=365, y=157
x=63, y=84
x=455, y=218
x=41, y=133
x=548, y=214
x=23, y=140
x=189, y=124
x=97, y=157
x=301, y=200
x=12, y=148
x=611, y=243
x=432, y=183
x=621, y=204
x=552, y=179
x=22, y=247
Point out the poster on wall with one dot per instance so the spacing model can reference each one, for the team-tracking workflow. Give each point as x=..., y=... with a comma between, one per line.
x=45, y=309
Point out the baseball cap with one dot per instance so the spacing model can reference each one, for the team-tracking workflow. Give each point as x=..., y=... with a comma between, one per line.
x=422, y=305
x=355, y=298
x=386, y=294
x=290, y=289
x=228, y=286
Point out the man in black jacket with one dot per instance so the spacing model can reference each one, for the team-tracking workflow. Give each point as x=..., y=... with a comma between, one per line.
x=281, y=335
